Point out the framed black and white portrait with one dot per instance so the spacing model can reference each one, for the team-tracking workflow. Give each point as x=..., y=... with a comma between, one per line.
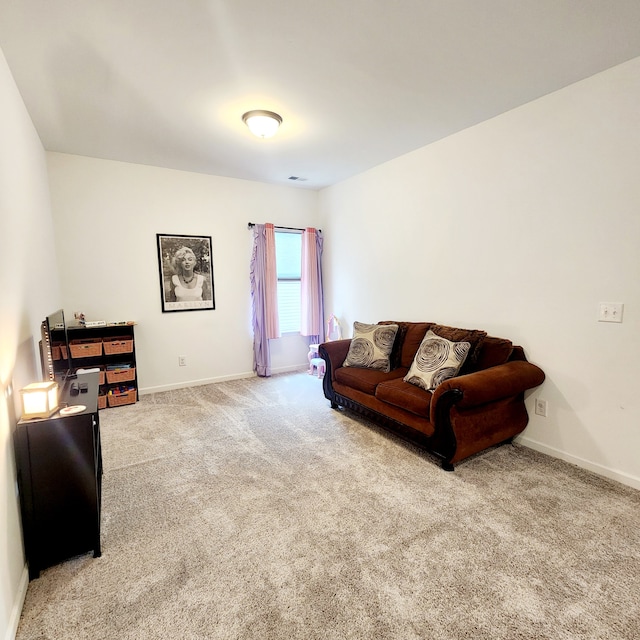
x=186, y=272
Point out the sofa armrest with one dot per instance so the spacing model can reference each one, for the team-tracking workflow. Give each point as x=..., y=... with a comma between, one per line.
x=489, y=385
x=333, y=353
x=336, y=352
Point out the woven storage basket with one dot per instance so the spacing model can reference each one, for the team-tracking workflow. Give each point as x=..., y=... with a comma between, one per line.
x=113, y=346
x=102, y=402
x=85, y=348
x=59, y=350
x=121, y=375
x=126, y=398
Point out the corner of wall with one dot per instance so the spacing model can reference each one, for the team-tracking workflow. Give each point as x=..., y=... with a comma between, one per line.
x=16, y=610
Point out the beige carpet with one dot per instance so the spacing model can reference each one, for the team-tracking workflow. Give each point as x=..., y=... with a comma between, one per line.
x=250, y=509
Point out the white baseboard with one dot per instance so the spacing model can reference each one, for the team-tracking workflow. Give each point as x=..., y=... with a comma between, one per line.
x=601, y=470
x=193, y=383
x=291, y=368
x=16, y=611
x=203, y=381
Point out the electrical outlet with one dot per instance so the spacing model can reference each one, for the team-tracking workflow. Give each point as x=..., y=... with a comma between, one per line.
x=182, y=361
x=541, y=407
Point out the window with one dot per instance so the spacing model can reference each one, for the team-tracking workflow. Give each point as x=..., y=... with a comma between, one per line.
x=289, y=268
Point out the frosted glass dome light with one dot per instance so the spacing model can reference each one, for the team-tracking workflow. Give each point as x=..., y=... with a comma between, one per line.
x=263, y=124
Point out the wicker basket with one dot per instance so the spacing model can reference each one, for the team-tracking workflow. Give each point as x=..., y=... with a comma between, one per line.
x=102, y=402
x=85, y=348
x=59, y=350
x=125, y=398
x=114, y=346
x=121, y=375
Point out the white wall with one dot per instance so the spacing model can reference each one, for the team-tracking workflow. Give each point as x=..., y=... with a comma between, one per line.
x=107, y=215
x=30, y=290
x=520, y=226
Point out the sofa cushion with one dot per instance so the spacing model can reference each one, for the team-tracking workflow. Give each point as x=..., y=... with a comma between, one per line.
x=494, y=351
x=366, y=380
x=371, y=346
x=388, y=411
x=474, y=337
x=406, y=396
x=436, y=360
x=408, y=340
x=416, y=332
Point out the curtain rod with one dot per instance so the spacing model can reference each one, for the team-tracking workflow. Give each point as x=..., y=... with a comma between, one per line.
x=250, y=225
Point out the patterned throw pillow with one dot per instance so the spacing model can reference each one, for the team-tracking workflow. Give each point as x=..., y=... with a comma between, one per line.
x=436, y=360
x=371, y=346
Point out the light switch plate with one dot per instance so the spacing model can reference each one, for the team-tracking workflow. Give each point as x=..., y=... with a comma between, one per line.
x=610, y=312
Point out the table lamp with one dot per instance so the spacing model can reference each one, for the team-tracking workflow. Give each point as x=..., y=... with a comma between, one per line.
x=39, y=400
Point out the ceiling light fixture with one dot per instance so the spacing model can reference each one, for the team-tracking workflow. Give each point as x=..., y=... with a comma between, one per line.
x=261, y=123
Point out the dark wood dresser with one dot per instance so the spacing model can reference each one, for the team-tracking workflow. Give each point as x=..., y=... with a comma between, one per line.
x=59, y=465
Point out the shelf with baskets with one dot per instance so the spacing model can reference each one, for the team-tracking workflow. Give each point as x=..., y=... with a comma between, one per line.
x=111, y=350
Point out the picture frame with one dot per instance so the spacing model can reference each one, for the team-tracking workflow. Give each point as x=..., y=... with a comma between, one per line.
x=185, y=264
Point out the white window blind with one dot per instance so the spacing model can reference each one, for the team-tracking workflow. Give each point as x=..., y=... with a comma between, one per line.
x=289, y=268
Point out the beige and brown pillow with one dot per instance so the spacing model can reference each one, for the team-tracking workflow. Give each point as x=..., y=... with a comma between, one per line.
x=371, y=346
x=474, y=337
x=437, y=359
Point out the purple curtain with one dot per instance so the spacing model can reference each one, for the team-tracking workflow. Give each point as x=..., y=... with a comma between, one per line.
x=260, y=290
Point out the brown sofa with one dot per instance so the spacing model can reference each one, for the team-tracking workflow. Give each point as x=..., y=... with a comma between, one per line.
x=482, y=406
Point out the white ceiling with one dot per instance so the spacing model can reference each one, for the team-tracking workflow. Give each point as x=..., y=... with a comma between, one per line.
x=357, y=82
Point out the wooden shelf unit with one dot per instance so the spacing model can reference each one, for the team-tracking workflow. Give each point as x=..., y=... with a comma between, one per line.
x=103, y=347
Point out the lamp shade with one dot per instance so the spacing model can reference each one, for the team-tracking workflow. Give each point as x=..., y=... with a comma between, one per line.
x=39, y=400
x=263, y=124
